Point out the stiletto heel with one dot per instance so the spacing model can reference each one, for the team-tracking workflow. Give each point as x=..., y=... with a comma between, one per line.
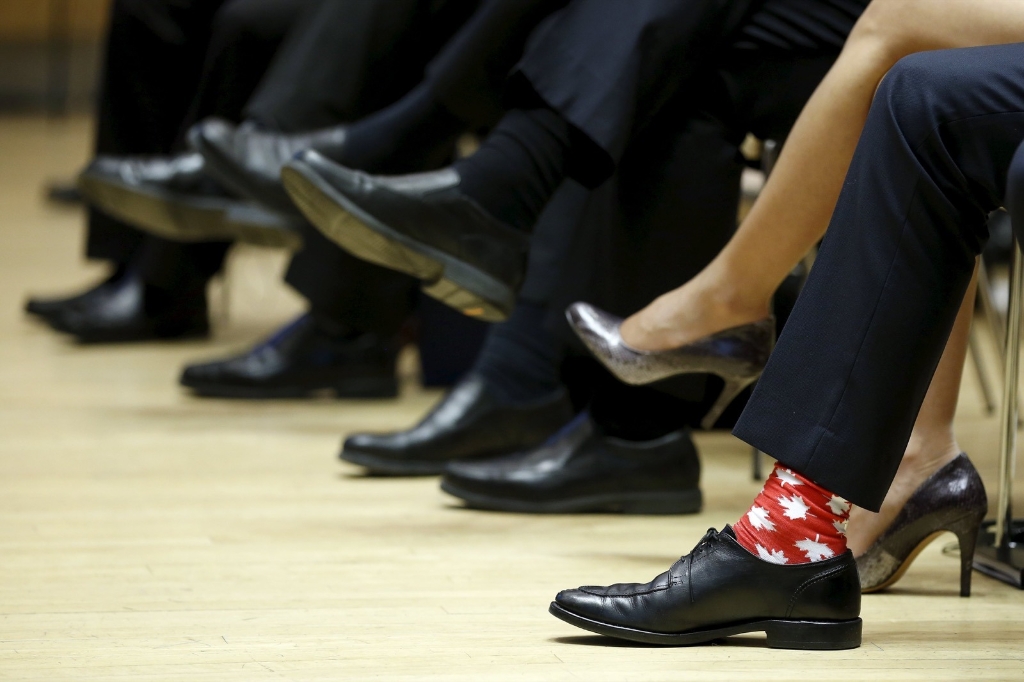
x=966, y=531
x=737, y=355
x=732, y=388
x=952, y=499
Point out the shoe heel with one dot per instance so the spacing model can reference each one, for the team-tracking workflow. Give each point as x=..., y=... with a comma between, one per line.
x=732, y=388
x=817, y=635
x=966, y=531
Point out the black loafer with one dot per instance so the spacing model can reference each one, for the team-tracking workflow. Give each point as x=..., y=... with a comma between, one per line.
x=124, y=315
x=421, y=225
x=721, y=589
x=174, y=198
x=248, y=160
x=51, y=308
x=468, y=424
x=582, y=470
x=299, y=361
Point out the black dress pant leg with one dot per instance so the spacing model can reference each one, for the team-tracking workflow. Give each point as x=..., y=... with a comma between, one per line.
x=244, y=37
x=349, y=58
x=840, y=395
x=152, y=67
x=468, y=76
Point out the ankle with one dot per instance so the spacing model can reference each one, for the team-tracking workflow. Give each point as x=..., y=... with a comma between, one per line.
x=930, y=451
x=691, y=312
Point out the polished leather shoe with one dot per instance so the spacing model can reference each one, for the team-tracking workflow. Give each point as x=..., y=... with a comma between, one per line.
x=130, y=311
x=50, y=308
x=174, y=197
x=422, y=225
x=302, y=360
x=582, y=470
x=720, y=589
x=248, y=160
x=469, y=423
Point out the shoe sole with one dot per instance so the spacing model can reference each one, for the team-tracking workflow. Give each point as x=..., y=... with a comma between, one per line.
x=459, y=285
x=189, y=220
x=781, y=633
x=684, y=502
x=380, y=466
x=361, y=388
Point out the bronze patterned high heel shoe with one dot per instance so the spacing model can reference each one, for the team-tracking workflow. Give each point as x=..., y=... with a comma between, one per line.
x=737, y=355
x=953, y=499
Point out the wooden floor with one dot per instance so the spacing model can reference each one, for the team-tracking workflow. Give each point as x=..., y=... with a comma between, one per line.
x=147, y=535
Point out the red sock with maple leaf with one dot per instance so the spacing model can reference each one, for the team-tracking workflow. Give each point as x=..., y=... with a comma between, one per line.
x=794, y=521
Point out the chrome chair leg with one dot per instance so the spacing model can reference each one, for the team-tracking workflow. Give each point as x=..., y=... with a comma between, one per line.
x=1001, y=551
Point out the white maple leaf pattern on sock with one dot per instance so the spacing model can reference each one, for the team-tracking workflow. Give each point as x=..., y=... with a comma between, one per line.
x=787, y=476
x=794, y=507
x=838, y=505
x=774, y=556
x=815, y=551
x=758, y=518
x=840, y=526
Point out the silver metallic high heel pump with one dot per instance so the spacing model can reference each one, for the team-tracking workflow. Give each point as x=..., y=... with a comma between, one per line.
x=737, y=355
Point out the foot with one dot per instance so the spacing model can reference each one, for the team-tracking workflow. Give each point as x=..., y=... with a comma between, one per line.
x=248, y=160
x=421, y=225
x=302, y=360
x=721, y=589
x=691, y=312
x=50, y=308
x=582, y=470
x=130, y=311
x=468, y=424
x=173, y=197
x=918, y=465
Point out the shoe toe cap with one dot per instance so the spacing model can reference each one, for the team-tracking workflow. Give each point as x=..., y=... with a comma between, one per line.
x=212, y=131
x=583, y=602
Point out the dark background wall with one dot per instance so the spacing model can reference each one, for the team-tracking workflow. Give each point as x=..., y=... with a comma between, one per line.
x=49, y=51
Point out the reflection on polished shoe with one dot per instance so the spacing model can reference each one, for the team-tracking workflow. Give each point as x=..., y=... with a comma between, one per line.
x=469, y=423
x=131, y=311
x=720, y=589
x=422, y=225
x=737, y=355
x=302, y=360
x=582, y=470
x=953, y=499
x=174, y=197
x=248, y=160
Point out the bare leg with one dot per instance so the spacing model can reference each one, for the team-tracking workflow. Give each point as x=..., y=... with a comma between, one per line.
x=796, y=204
x=932, y=444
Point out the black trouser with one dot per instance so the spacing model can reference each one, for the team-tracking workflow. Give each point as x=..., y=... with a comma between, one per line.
x=347, y=59
x=670, y=207
x=608, y=67
x=466, y=77
x=167, y=64
x=842, y=390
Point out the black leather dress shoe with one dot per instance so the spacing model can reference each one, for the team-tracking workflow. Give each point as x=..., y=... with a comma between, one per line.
x=582, y=470
x=248, y=160
x=173, y=197
x=468, y=424
x=49, y=308
x=422, y=225
x=130, y=311
x=720, y=589
x=302, y=360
